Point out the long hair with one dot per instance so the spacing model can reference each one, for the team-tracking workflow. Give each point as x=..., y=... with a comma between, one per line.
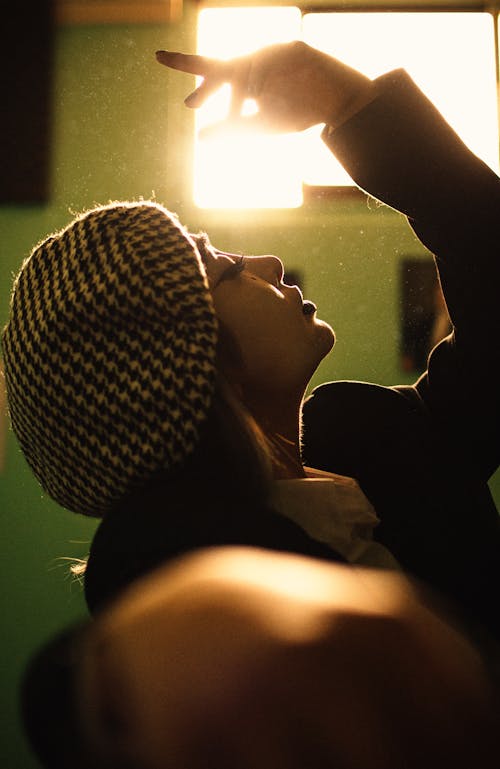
x=220, y=496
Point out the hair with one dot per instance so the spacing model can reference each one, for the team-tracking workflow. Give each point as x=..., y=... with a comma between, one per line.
x=220, y=496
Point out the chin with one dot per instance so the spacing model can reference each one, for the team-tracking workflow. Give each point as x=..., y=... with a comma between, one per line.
x=325, y=337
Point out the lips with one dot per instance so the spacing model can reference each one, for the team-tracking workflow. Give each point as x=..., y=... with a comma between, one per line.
x=308, y=308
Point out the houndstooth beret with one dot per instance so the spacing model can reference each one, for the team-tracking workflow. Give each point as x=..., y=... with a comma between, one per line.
x=109, y=353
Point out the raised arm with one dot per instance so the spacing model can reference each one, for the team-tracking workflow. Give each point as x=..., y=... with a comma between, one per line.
x=398, y=147
x=402, y=151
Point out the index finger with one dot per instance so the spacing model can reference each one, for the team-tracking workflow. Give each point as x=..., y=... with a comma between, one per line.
x=193, y=63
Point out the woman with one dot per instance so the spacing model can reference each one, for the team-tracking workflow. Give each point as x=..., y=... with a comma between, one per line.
x=244, y=482
x=121, y=378
x=237, y=657
x=155, y=451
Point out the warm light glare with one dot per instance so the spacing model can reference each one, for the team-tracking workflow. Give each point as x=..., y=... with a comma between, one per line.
x=451, y=56
x=256, y=171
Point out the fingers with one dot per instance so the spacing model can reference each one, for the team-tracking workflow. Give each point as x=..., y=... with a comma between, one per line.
x=193, y=64
x=185, y=62
x=256, y=75
x=214, y=72
x=239, y=85
x=198, y=97
x=238, y=72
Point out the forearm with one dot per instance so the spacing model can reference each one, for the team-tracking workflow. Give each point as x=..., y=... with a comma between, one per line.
x=401, y=150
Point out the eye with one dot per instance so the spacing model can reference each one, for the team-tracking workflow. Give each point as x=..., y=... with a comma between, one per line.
x=234, y=269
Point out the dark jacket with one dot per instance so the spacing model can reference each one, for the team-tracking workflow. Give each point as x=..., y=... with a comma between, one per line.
x=423, y=454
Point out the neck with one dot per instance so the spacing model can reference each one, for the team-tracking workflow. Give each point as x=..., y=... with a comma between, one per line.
x=287, y=462
x=281, y=425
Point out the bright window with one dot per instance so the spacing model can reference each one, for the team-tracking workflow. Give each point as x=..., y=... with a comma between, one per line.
x=451, y=56
x=245, y=172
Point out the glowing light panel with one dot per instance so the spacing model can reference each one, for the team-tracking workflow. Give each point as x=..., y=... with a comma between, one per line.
x=256, y=171
x=451, y=56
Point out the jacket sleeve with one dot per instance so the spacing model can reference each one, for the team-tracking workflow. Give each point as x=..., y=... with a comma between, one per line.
x=400, y=150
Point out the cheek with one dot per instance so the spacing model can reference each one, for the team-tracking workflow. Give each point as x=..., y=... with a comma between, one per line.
x=245, y=327
x=270, y=343
x=281, y=358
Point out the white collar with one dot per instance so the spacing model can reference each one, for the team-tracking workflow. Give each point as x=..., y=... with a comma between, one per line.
x=332, y=509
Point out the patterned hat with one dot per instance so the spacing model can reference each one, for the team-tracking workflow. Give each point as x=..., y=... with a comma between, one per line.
x=109, y=353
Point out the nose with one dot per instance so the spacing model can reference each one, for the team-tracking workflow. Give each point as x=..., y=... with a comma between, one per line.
x=268, y=267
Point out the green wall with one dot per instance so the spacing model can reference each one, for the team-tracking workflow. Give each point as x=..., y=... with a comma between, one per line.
x=121, y=131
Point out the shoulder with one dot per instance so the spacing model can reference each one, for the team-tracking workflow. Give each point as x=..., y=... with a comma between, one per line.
x=349, y=424
x=361, y=400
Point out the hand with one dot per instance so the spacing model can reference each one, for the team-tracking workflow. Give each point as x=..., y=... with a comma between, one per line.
x=295, y=86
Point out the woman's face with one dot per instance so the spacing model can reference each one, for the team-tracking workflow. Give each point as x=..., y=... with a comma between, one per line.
x=279, y=338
